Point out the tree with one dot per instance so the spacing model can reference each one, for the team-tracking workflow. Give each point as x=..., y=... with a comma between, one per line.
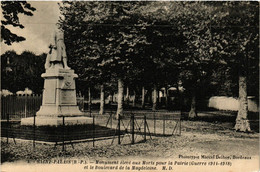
x=160, y=44
x=85, y=40
x=10, y=11
x=113, y=41
x=124, y=43
x=21, y=71
x=191, y=55
x=240, y=39
x=160, y=68
x=7, y=78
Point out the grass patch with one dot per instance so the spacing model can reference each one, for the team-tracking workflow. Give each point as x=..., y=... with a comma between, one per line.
x=55, y=133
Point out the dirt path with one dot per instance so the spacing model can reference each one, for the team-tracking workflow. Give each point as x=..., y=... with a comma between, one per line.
x=189, y=143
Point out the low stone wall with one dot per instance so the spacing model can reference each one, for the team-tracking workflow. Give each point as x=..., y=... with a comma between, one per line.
x=230, y=103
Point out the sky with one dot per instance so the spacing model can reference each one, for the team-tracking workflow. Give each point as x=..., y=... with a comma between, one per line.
x=38, y=28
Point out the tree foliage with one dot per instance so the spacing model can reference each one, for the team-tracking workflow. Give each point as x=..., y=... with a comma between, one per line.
x=201, y=45
x=11, y=11
x=104, y=39
x=21, y=71
x=239, y=37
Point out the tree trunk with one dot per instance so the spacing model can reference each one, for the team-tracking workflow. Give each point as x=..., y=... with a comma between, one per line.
x=177, y=88
x=112, y=98
x=178, y=102
x=158, y=99
x=154, y=98
x=109, y=99
x=102, y=100
x=89, y=99
x=193, y=112
x=150, y=97
x=127, y=96
x=242, y=123
x=143, y=97
x=120, y=97
x=134, y=99
x=166, y=97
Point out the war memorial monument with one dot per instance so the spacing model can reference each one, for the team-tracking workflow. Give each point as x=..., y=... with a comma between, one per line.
x=59, y=95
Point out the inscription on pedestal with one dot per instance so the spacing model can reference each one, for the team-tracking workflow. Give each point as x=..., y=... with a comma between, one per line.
x=68, y=97
x=65, y=71
x=50, y=91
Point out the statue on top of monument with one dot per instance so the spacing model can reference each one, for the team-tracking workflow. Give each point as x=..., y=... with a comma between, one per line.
x=57, y=56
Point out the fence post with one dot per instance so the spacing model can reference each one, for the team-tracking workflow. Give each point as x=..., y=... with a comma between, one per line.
x=90, y=110
x=111, y=122
x=7, y=128
x=82, y=103
x=133, y=128
x=25, y=106
x=154, y=123
x=180, y=125
x=63, y=131
x=145, y=128
x=163, y=125
x=93, y=130
x=119, y=129
x=33, y=104
x=89, y=100
x=3, y=107
x=34, y=131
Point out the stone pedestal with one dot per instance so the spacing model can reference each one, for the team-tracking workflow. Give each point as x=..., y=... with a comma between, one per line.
x=59, y=100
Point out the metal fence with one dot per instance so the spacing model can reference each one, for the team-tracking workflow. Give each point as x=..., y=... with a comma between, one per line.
x=145, y=125
x=128, y=129
x=22, y=106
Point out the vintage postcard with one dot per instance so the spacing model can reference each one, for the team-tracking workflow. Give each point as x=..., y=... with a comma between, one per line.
x=130, y=86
